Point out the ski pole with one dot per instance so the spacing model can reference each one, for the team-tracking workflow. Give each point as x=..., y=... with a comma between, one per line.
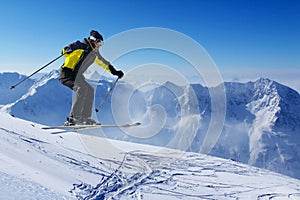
x=107, y=94
x=12, y=87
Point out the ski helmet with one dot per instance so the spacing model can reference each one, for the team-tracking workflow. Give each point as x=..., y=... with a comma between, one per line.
x=95, y=36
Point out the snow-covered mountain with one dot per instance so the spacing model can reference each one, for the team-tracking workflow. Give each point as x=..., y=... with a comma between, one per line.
x=43, y=102
x=38, y=165
x=262, y=124
x=9, y=79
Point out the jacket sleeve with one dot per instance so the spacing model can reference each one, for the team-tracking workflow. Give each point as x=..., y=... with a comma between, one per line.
x=102, y=62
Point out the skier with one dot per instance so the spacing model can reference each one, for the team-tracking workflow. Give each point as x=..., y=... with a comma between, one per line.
x=79, y=56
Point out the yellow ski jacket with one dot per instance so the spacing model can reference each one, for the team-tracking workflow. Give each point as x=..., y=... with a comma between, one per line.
x=80, y=55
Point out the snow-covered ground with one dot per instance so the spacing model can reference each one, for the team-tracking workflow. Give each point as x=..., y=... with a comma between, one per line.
x=38, y=165
x=261, y=127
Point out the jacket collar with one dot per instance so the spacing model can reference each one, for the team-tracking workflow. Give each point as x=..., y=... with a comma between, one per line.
x=89, y=44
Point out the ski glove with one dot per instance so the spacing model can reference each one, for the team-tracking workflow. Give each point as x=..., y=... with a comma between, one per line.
x=120, y=74
x=66, y=50
x=115, y=72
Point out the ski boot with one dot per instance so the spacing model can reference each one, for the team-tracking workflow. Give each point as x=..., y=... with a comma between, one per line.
x=71, y=121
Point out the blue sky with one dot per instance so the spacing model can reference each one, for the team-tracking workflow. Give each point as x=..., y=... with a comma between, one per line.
x=240, y=36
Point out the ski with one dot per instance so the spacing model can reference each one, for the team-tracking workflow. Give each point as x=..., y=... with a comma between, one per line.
x=76, y=128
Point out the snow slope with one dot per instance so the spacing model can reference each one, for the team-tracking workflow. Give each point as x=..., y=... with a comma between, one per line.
x=38, y=165
x=261, y=128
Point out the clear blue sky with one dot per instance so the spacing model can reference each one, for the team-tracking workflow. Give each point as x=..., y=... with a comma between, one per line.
x=256, y=34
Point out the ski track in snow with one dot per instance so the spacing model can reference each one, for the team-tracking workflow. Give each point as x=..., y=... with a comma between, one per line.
x=162, y=177
x=30, y=154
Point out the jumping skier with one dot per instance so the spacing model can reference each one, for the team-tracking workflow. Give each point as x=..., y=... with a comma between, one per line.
x=79, y=56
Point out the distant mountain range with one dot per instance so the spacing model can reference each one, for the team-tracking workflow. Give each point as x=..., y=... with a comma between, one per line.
x=261, y=128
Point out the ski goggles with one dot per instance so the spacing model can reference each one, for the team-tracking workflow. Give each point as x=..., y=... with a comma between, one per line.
x=100, y=42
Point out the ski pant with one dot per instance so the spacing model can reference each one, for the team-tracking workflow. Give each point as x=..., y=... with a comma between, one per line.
x=84, y=97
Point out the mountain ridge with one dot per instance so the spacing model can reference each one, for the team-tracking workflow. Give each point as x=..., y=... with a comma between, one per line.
x=261, y=128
